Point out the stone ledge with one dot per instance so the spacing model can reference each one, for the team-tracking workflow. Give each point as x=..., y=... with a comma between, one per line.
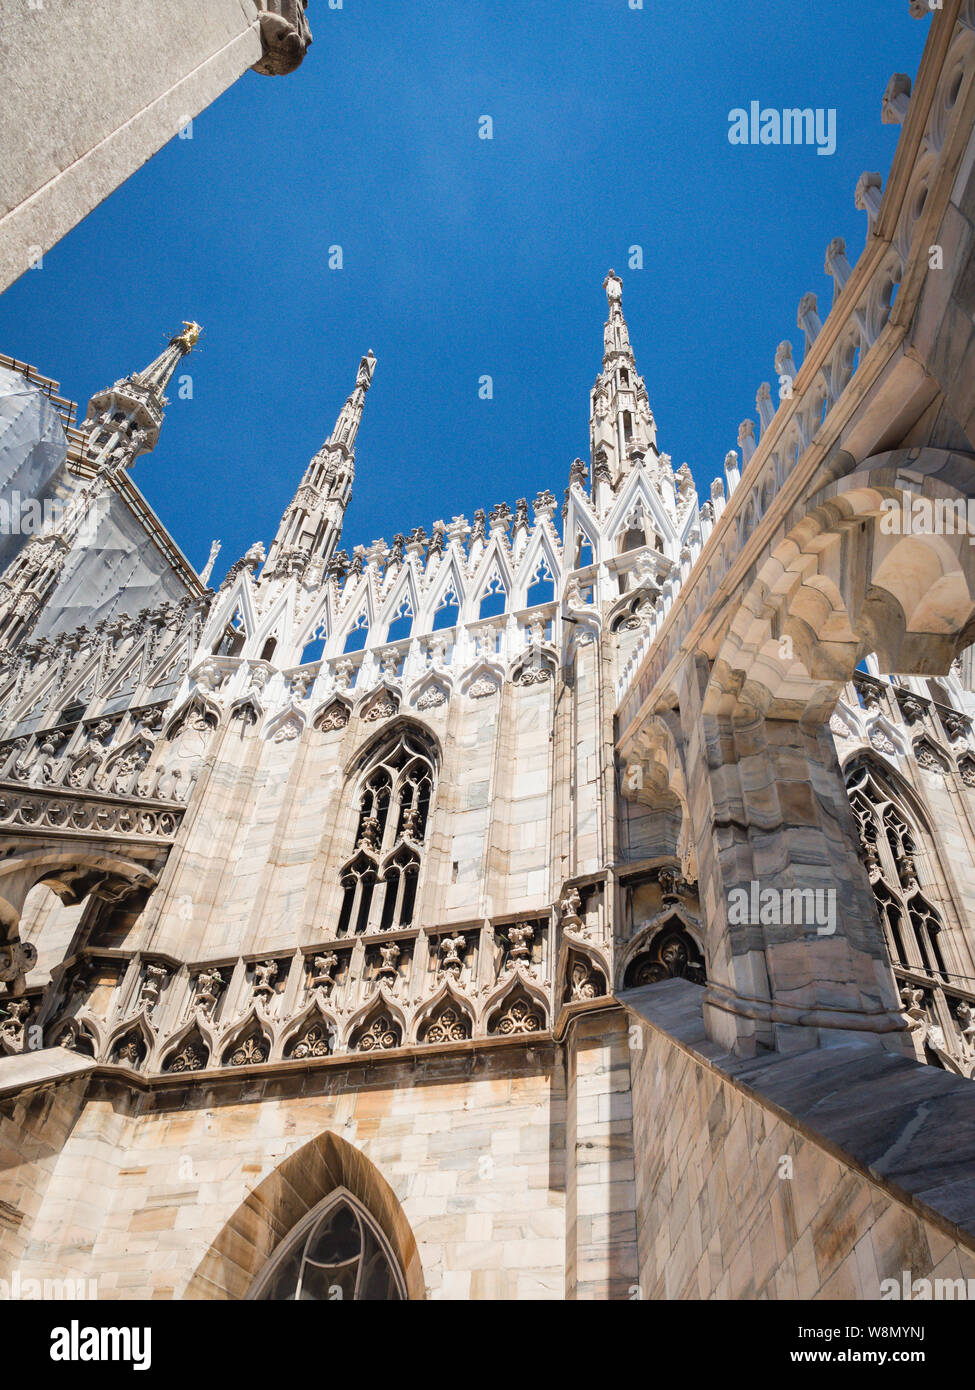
x=908, y=1127
x=25, y=1071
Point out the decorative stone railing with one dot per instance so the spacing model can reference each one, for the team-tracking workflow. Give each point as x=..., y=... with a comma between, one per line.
x=71, y=814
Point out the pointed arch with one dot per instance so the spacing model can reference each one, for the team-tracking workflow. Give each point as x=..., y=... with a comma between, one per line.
x=131, y=1043
x=492, y=596
x=444, y=605
x=255, y=1232
x=247, y=1042
x=379, y=1026
x=449, y=1007
x=402, y=611
x=312, y=1034
x=494, y=561
x=286, y=726
x=382, y=702
x=191, y=1048
x=585, y=976
x=356, y=635
x=76, y=1035
x=199, y=707
x=581, y=529
x=538, y=578
x=334, y=714
x=123, y=768
x=664, y=950
x=638, y=494
x=516, y=1007
x=233, y=617
x=312, y=632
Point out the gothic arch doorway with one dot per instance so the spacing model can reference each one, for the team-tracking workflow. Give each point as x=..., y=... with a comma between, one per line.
x=324, y=1219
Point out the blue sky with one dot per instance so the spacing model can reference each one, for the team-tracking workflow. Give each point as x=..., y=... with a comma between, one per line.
x=463, y=256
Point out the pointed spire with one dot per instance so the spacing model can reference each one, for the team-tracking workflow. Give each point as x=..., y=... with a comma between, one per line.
x=311, y=526
x=622, y=428
x=124, y=420
x=159, y=372
x=350, y=416
x=207, y=569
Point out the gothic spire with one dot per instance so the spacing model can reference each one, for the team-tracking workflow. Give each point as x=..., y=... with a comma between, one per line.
x=123, y=421
x=312, y=524
x=622, y=428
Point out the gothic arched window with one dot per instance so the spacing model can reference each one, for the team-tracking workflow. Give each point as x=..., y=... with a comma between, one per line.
x=890, y=848
x=336, y=1253
x=380, y=880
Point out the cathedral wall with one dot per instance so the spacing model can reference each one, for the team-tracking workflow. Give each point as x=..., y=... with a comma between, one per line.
x=601, y=1228
x=592, y=751
x=949, y=807
x=735, y=1201
x=259, y=864
x=34, y=1128
x=473, y=1149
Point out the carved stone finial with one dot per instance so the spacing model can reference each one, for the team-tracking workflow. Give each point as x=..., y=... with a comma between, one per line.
x=867, y=197
x=808, y=319
x=784, y=363
x=764, y=406
x=836, y=264
x=500, y=517
x=544, y=505
x=896, y=99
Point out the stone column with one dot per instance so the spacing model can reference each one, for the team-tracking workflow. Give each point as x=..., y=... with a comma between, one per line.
x=795, y=951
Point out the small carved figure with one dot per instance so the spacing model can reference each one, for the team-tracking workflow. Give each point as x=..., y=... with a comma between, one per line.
x=209, y=984
x=389, y=956
x=265, y=974
x=450, y=948
x=323, y=966
x=155, y=978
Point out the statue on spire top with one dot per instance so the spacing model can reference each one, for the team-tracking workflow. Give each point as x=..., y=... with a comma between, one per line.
x=189, y=337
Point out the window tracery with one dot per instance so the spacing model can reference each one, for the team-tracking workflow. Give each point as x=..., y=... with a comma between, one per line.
x=336, y=1253
x=380, y=880
x=912, y=925
x=936, y=1001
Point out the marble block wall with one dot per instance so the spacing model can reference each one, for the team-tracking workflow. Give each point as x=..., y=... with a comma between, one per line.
x=737, y=1199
